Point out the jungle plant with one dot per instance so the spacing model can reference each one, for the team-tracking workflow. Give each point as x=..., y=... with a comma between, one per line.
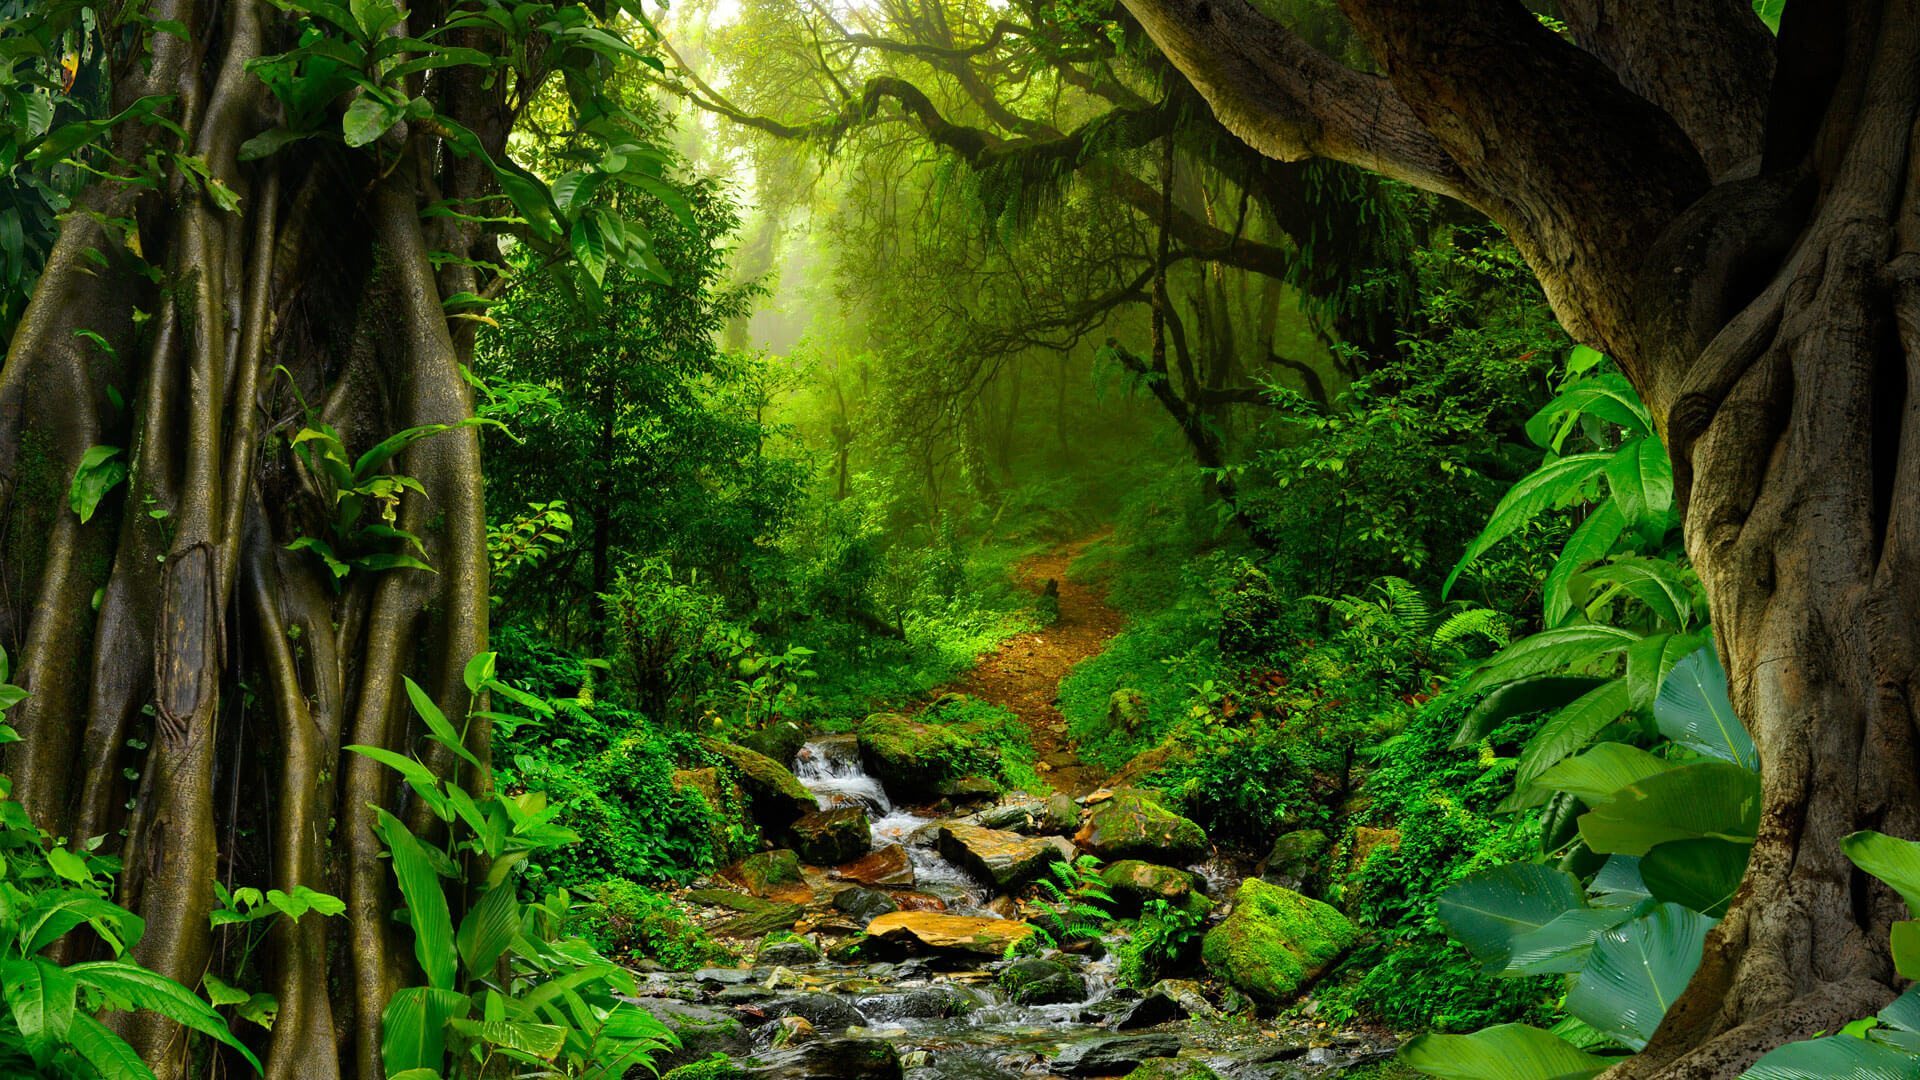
x=1166, y=937
x=509, y=988
x=1396, y=630
x=1074, y=903
x=48, y=891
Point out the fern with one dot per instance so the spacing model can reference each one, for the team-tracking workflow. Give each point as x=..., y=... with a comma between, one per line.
x=1486, y=623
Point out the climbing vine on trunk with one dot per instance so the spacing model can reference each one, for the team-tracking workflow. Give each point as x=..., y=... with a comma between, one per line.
x=240, y=488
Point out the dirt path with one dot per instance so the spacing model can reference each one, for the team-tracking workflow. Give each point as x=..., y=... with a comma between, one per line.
x=1024, y=673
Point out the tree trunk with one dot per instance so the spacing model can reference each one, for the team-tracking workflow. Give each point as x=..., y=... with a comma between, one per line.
x=322, y=271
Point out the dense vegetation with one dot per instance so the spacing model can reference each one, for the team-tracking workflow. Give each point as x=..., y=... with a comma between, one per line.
x=481, y=482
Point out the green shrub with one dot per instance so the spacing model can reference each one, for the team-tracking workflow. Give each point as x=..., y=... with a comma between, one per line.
x=631, y=922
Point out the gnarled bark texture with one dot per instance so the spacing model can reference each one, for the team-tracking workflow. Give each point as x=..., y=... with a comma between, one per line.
x=174, y=638
x=1735, y=218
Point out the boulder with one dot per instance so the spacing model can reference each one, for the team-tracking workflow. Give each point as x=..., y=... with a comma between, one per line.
x=851, y=1058
x=882, y=866
x=702, y=1030
x=756, y=918
x=1275, y=942
x=1038, y=981
x=919, y=901
x=1114, y=1055
x=824, y=1011
x=913, y=757
x=1173, y=1069
x=1146, y=763
x=1165, y=1002
x=1295, y=859
x=1062, y=814
x=936, y=1002
x=792, y=1029
x=864, y=904
x=920, y=931
x=780, y=740
x=1015, y=815
x=1133, y=883
x=1005, y=860
x=787, y=951
x=971, y=789
x=832, y=837
x=775, y=795
x=1131, y=826
x=767, y=872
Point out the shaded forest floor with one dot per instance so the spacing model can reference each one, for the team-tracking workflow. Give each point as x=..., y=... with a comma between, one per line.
x=1024, y=673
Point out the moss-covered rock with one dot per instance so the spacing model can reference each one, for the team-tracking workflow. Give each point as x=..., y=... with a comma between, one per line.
x=783, y=948
x=1173, y=1069
x=832, y=837
x=1130, y=825
x=780, y=740
x=767, y=872
x=1276, y=942
x=1296, y=860
x=909, y=756
x=1039, y=981
x=717, y=1067
x=756, y=917
x=776, y=796
x=1133, y=883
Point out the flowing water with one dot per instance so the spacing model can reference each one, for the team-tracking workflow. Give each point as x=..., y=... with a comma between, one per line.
x=946, y=1016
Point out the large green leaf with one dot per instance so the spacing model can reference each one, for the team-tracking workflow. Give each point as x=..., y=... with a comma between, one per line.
x=1591, y=542
x=108, y=1053
x=540, y=1040
x=128, y=985
x=1570, y=729
x=1595, y=775
x=1561, y=947
x=413, y=1029
x=1661, y=586
x=1637, y=970
x=1840, y=1057
x=1501, y=1052
x=1518, y=698
x=437, y=723
x=1549, y=486
x=1583, y=645
x=489, y=928
x=1640, y=478
x=1606, y=396
x=1488, y=910
x=1892, y=860
x=1652, y=657
x=39, y=998
x=1710, y=799
x=433, y=943
x=1697, y=874
x=1694, y=711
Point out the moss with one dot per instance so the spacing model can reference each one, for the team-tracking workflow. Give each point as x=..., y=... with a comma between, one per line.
x=909, y=755
x=1275, y=942
x=716, y=1067
x=1173, y=1069
x=1132, y=826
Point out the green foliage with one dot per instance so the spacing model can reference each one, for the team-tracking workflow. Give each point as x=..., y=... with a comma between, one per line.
x=1166, y=938
x=1074, y=904
x=497, y=980
x=632, y=922
x=48, y=891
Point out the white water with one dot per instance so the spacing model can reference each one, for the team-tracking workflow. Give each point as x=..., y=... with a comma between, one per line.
x=831, y=769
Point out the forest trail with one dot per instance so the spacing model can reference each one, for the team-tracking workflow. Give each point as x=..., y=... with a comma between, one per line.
x=1024, y=673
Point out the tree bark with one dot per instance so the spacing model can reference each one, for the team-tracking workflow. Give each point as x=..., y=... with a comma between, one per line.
x=183, y=577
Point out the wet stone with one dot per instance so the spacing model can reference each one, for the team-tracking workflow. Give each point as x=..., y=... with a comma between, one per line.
x=1114, y=1055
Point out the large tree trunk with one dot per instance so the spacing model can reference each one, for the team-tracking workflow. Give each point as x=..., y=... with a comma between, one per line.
x=1751, y=257
x=183, y=583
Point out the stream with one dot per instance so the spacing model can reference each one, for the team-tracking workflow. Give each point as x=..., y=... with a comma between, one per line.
x=946, y=1015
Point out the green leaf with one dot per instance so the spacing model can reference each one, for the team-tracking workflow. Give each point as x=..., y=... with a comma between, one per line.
x=479, y=671
x=489, y=928
x=1640, y=478
x=106, y=1052
x=1548, y=487
x=1637, y=970
x=1518, y=698
x=1595, y=775
x=101, y=469
x=413, y=1029
x=1501, y=1052
x=1694, y=711
x=39, y=998
x=1906, y=948
x=541, y=1040
x=418, y=776
x=270, y=142
x=1607, y=396
x=1486, y=911
x=1592, y=541
x=1570, y=729
x=69, y=866
x=442, y=731
x=219, y=993
x=1711, y=799
x=419, y=882
x=1663, y=587
x=1697, y=874
x=1586, y=645
x=1838, y=1057
x=1652, y=657
x=1561, y=947
x=590, y=248
x=369, y=117
x=142, y=989
x=1894, y=861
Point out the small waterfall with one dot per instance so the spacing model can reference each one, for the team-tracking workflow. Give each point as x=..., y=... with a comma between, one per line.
x=830, y=767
